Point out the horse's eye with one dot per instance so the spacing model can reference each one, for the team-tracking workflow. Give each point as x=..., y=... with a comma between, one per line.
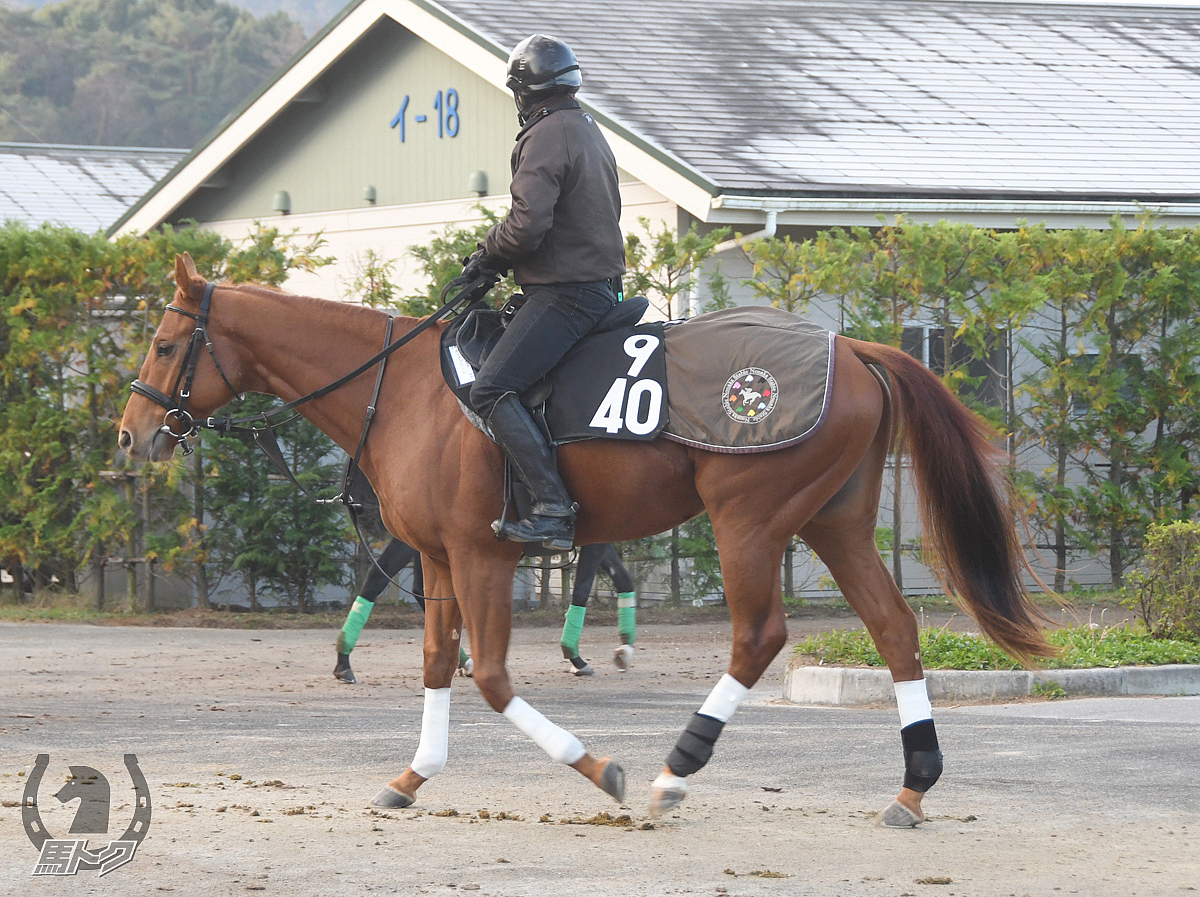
x=165, y=349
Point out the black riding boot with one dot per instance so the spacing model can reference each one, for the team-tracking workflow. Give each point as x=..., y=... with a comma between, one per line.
x=551, y=520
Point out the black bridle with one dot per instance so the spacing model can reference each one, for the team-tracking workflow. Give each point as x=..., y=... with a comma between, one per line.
x=182, y=390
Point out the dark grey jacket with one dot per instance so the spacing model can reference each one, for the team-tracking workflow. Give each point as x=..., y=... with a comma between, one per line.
x=566, y=205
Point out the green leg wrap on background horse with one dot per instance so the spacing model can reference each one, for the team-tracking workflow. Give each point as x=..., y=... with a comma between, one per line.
x=627, y=617
x=353, y=627
x=572, y=629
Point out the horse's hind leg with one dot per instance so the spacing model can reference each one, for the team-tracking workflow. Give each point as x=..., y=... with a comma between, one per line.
x=750, y=563
x=585, y=576
x=485, y=594
x=443, y=629
x=843, y=536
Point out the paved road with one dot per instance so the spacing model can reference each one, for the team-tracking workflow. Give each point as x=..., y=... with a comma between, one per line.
x=1096, y=796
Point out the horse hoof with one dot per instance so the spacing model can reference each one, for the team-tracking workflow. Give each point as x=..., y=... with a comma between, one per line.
x=391, y=799
x=896, y=815
x=612, y=781
x=585, y=670
x=667, y=793
x=468, y=668
x=345, y=674
x=623, y=657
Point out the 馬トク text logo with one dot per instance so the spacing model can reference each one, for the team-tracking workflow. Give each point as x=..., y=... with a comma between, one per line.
x=66, y=856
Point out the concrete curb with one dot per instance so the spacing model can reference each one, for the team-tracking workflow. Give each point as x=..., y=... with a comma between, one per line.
x=848, y=687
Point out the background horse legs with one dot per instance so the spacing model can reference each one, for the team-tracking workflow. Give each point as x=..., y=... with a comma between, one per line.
x=394, y=558
x=591, y=559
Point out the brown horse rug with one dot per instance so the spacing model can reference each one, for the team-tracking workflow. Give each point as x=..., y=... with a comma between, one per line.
x=750, y=379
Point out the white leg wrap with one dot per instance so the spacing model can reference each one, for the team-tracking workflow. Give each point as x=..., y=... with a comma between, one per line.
x=668, y=781
x=912, y=700
x=430, y=758
x=631, y=601
x=560, y=744
x=724, y=699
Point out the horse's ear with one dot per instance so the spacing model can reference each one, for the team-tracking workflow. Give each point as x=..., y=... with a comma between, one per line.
x=185, y=273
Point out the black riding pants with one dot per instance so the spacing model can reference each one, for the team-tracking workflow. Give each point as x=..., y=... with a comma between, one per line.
x=552, y=320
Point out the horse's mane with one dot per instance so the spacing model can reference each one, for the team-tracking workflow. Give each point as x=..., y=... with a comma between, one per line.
x=309, y=304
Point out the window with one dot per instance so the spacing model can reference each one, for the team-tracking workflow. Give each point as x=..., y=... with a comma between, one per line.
x=987, y=373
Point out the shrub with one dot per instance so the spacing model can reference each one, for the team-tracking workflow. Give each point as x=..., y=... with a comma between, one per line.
x=1165, y=590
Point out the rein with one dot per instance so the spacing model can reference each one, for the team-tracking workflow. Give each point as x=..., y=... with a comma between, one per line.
x=176, y=407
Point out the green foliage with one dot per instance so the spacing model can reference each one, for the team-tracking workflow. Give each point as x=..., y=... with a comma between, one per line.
x=273, y=537
x=77, y=312
x=783, y=272
x=1165, y=591
x=1115, y=399
x=941, y=649
x=441, y=260
x=667, y=267
x=1049, y=689
x=133, y=72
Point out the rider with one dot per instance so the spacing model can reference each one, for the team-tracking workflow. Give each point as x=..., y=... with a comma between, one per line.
x=563, y=241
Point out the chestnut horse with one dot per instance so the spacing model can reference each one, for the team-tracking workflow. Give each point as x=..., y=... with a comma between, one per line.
x=439, y=481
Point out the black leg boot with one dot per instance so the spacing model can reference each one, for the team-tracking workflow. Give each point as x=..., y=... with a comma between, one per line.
x=551, y=521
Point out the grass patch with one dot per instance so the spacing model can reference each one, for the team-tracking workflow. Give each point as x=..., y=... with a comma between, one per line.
x=1083, y=647
x=55, y=613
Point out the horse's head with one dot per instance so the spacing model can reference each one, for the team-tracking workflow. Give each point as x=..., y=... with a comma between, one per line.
x=179, y=382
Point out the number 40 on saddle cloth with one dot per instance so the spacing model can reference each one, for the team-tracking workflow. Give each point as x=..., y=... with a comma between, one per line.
x=749, y=379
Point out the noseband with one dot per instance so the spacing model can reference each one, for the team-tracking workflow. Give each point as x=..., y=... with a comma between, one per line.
x=177, y=400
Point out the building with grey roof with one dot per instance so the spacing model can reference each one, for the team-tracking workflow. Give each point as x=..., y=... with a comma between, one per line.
x=765, y=116
x=85, y=187
x=922, y=99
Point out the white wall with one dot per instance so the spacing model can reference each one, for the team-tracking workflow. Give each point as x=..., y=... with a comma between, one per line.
x=391, y=231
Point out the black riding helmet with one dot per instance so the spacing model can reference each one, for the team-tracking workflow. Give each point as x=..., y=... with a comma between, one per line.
x=539, y=67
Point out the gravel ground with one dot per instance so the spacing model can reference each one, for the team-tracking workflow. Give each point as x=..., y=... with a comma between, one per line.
x=261, y=767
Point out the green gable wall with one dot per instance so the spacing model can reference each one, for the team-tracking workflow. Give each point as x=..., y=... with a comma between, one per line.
x=324, y=153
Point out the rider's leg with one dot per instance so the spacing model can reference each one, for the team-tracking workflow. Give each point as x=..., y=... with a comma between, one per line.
x=552, y=320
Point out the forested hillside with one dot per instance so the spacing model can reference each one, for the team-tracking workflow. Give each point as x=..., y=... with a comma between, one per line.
x=133, y=72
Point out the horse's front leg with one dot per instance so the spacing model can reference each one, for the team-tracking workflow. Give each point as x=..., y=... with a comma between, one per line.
x=485, y=595
x=869, y=589
x=443, y=631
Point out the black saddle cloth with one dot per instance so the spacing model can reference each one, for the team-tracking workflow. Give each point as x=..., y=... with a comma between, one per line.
x=612, y=384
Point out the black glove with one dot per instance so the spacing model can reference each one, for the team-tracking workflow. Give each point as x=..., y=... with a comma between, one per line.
x=480, y=264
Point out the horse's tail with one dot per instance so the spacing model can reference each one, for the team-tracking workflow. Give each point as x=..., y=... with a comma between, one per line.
x=966, y=503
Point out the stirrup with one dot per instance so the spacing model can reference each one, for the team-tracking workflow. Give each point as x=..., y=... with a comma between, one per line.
x=554, y=533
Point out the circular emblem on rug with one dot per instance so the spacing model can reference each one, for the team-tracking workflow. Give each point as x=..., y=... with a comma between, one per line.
x=750, y=395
